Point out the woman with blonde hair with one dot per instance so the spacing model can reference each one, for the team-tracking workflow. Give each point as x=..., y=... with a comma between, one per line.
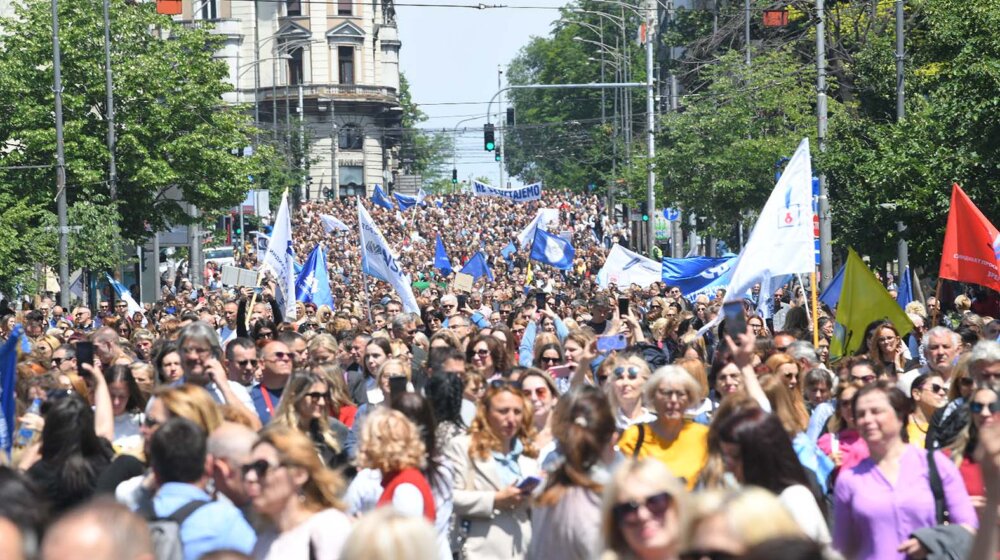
x=304, y=406
x=341, y=406
x=323, y=348
x=724, y=524
x=392, y=445
x=696, y=367
x=795, y=422
x=626, y=377
x=641, y=512
x=390, y=368
x=289, y=486
x=579, y=351
x=498, y=454
x=386, y=534
x=885, y=348
x=444, y=338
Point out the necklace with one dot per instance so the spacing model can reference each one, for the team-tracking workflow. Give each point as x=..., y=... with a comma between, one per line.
x=917, y=424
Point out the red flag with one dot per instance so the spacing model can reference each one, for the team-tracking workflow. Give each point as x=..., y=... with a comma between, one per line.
x=971, y=244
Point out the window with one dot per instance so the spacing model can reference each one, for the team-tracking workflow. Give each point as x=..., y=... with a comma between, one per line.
x=345, y=8
x=293, y=7
x=345, y=58
x=351, y=137
x=295, y=67
x=207, y=9
x=351, y=175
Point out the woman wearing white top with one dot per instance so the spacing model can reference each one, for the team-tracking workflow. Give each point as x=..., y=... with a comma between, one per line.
x=626, y=377
x=127, y=403
x=289, y=486
x=756, y=449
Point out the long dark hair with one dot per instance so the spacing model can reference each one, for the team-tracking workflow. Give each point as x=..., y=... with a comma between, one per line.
x=445, y=392
x=123, y=373
x=71, y=446
x=766, y=452
x=420, y=412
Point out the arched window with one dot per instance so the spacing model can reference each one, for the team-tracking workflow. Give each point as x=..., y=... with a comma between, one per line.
x=351, y=137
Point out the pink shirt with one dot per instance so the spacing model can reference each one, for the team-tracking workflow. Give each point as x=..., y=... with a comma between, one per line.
x=850, y=446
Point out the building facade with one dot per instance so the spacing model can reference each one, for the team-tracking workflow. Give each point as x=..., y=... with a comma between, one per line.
x=325, y=74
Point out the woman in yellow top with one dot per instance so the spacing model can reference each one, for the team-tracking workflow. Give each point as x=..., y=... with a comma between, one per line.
x=677, y=442
x=927, y=394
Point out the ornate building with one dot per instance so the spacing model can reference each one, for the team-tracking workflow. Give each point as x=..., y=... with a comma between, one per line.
x=336, y=61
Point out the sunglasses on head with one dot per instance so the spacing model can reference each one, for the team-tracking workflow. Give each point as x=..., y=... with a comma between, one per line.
x=627, y=513
x=620, y=372
x=976, y=407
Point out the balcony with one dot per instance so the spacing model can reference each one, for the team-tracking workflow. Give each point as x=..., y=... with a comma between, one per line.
x=340, y=92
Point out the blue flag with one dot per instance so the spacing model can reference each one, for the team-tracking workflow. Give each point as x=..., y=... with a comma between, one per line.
x=313, y=284
x=509, y=250
x=405, y=202
x=441, y=260
x=904, y=294
x=552, y=250
x=8, y=376
x=378, y=197
x=831, y=295
x=697, y=275
x=477, y=267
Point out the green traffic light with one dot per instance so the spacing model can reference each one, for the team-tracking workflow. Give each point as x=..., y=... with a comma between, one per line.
x=490, y=146
x=454, y=181
x=645, y=217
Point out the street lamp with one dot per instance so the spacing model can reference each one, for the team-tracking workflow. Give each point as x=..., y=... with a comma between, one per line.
x=902, y=249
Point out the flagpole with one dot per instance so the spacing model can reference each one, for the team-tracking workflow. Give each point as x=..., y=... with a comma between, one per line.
x=809, y=316
x=815, y=306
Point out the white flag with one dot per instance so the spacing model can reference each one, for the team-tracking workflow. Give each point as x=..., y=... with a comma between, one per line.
x=624, y=268
x=378, y=260
x=543, y=218
x=331, y=224
x=280, y=259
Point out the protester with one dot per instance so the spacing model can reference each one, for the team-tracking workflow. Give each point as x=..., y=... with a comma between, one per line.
x=98, y=530
x=386, y=534
x=305, y=406
x=627, y=377
x=540, y=389
x=641, y=512
x=725, y=524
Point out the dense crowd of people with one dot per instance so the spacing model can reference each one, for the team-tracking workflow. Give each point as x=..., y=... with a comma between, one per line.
x=549, y=418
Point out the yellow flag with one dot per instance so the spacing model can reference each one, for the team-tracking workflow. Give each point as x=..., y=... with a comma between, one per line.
x=863, y=300
x=528, y=277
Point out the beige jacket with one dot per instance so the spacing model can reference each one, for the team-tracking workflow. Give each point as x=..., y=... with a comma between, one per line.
x=490, y=533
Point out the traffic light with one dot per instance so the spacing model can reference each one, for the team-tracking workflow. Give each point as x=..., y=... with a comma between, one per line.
x=496, y=154
x=644, y=211
x=454, y=176
x=489, y=139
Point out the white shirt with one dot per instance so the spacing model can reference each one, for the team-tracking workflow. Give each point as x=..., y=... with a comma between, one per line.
x=239, y=390
x=325, y=531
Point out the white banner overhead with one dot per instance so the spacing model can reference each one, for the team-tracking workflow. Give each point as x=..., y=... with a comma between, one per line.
x=522, y=194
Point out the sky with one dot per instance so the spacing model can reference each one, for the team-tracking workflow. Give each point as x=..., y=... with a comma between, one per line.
x=450, y=55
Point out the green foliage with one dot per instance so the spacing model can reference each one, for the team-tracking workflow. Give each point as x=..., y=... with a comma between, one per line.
x=424, y=153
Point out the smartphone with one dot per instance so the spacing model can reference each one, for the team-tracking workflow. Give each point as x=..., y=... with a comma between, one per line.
x=397, y=385
x=560, y=372
x=528, y=484
x=84, y=355
x=736, y=319
x=540, y=300
x=623, y=306
x=462, y=300
x=611, y=342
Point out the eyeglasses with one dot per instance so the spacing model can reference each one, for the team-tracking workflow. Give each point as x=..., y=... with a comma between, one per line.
x=707, y=555
x=260, y=468
x=627, y=513
x=502, y=383
x=243, y=363
x=668, y=393
x=279, y=356
x=539, y=392
x=977, y=407
x=448, y=306
x=482, y=352
x=315, y=396
x=518, y=331
x=632, y=371
x=549, y=360
x=411, y=331
x=866, y=379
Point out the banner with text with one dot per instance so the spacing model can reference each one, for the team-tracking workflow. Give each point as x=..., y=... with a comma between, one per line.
x=523, y=194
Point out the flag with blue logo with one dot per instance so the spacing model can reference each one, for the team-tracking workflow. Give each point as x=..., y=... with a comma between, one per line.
x=904, y=293
x=331, y=224
x=405, y=202
x=313, y=283
x=624, y=268
x=441, y=260
x=8, y=377
x=831, y=295
x=552, y=250
x=697, y=275
x=477, y=267
x=123, y=293
x=509, y=250
x=280, y=259
x=378, y=260
x=379, y=197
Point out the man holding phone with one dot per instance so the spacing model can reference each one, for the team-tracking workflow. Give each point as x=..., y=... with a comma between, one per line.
x=201, y=360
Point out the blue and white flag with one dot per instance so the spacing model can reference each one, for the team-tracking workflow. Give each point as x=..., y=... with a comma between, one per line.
x=509, y=250
x=280, y=259
x=904, y=293
x=477, y=267
x=697, y=275
x=378, y=260
x=8, y=378
x=260, y=242
x=421, y=195
x=331, y=224
x=831, y=295
x=545, y=218
x=552, y=250
x=405, y=202
x=441, y=260
x=123, y=293
x=522, y=194
x=624, y=268
x=313, y=283
x=378, y=197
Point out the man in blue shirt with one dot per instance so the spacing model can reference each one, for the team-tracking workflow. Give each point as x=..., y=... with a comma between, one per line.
x=178, y=455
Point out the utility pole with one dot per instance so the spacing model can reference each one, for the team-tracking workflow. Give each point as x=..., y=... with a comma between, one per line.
x=746, y=30
x=60, y=162
x=500, y=123
x=825, y=229
x=904, y=250
x=334, y=139
x=650, y=138
x=302, y=145
x=109, y=86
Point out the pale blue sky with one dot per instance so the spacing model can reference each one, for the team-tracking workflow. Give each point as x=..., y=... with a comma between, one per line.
x=451, y=55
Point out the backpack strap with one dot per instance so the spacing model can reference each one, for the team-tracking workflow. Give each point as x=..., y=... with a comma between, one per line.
x=185, y=511
x=940, y=505
x=638, y=443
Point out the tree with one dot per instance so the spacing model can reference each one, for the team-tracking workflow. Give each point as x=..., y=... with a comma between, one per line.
x=424, y=152
x=175, y=134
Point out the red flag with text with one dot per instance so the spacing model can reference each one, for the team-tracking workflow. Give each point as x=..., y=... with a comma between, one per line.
x=971, y=244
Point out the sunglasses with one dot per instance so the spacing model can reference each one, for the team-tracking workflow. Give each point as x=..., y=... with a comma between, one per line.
x=315, y=396
x=260, y=468
x=150, y=422
x=539, y=392
x=281, y=356
x=482, y=352
x=976, y=407
x=265, y=334
x=56, y=362
x=243, y=363
x=936, y=388
x=627, y=513
x=707, y=555
x=549, y=360
x=632, y=371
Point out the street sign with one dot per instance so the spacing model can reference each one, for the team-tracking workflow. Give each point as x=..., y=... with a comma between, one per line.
x=671, y=214
x=661, y=228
